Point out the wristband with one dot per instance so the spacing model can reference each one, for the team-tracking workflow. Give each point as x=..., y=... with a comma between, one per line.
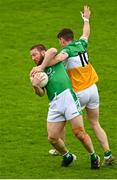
x=85, y=19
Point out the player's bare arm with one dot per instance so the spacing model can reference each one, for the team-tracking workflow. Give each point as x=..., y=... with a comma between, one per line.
x=86, y=16
x=51, y=58
x=35, y=80
x=58, y=58
x=39, y=91
x=49, y=55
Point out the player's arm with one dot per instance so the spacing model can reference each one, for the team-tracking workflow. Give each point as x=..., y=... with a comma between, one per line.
x=35, y=83
x=39, y=91
x=58, y=58
x=86, y=26
x=49, y=55
x=51, y=58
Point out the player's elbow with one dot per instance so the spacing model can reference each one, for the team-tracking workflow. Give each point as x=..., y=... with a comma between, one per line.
x=39, y=94
x=61, y=57
x=53, y=51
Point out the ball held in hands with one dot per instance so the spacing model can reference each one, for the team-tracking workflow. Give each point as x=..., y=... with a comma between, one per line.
x=41, y=79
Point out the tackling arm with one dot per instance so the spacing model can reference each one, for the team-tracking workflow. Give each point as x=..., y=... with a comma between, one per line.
x=51, y=58
x=49, y=55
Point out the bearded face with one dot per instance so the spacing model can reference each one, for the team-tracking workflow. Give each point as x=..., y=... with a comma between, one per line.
x=37, y=56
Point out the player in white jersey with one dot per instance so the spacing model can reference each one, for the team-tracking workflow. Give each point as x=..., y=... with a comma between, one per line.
x=83, y=77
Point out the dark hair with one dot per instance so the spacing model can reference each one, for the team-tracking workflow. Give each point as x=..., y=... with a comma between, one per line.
x=66, y=34
x=39, y=47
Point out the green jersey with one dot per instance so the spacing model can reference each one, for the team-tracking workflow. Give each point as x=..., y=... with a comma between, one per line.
x=75, y=47
x=58, y=80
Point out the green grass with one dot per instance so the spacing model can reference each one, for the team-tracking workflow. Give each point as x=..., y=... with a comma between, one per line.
x=23, y=135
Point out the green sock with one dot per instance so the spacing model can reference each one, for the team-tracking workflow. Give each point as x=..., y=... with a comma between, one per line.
x=94, y=157
x=67, y=155
x=107, y=153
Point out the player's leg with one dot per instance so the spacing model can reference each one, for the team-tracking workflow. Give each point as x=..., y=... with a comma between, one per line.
x=80, y=133
x=73, y=113
x=93, y=117
x=54, y=131
x=54, y=115
x=54, y=152
x=92, y=108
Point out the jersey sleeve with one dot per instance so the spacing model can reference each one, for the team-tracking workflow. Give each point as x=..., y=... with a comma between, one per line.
x=84, y=42
x=65, y=50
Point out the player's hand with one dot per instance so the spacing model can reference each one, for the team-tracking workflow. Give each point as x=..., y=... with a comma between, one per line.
x=34, y=71
x=86, y=13
x=38, y=77
x=40, y=68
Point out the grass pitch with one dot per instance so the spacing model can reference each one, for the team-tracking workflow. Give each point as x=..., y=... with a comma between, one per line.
x=23, y=136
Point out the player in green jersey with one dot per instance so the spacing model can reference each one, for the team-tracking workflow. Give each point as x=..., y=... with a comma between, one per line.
x=64, y=106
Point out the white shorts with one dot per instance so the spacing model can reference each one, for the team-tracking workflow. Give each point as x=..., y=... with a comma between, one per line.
x=89, y=97
x=63, y=107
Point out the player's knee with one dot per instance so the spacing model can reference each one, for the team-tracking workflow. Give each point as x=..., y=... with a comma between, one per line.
x=95, y=125
x=52, y=139
x=81, y=134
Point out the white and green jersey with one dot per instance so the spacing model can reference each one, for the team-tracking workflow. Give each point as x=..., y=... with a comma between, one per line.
x=81, y=72
x=77, y=52
x=58, y=80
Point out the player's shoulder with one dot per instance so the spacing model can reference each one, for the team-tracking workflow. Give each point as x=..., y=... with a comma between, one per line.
x=83, y=38
x=65, y=49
